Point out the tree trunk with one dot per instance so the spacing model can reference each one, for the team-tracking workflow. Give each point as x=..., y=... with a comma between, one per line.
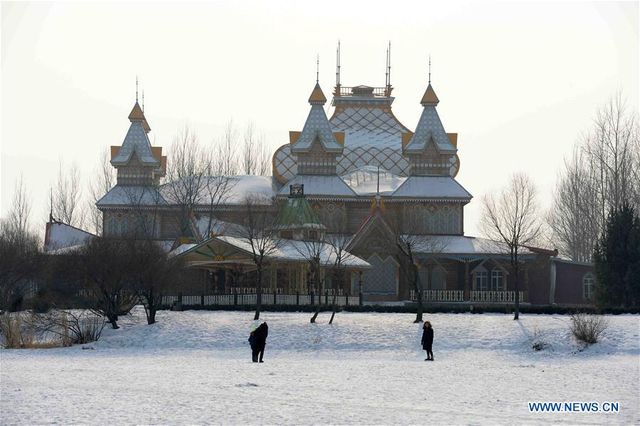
x=113, y=320
x=258, y=294
x=516, y=314
x=418, y=287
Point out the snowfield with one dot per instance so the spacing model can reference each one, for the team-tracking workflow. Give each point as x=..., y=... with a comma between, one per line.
x=195, y=367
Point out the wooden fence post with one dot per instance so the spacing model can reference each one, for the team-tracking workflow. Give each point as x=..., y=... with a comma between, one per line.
x=235, y=297
x=202, y=299
x=326, y=297
x=274, y=297
x=297, y=298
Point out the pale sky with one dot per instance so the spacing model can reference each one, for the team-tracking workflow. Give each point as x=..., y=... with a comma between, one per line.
x=519, y=82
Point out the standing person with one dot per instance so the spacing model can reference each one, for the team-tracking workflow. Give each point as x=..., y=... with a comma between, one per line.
x=259, y=337
x=427, y=340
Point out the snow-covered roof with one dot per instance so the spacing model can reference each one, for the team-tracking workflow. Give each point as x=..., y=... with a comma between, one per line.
x=60, y=237
x=229, y=190
x=125, y=195
x=320, y=186
x=462, y=245
x=299, y=251
x=429, y=128
x=431, y=187
x=136, y=141
x=218, y=227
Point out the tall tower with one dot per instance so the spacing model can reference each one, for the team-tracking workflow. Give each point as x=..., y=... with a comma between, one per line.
x=137, y=162
x=316, y=147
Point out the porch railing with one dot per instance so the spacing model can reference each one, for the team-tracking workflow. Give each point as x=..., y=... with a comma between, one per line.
x=474, y=296
x=496, y=296
x=268, y=298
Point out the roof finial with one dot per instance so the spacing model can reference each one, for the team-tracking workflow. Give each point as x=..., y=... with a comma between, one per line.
x=338, y=65
x=136, y=89
x=429, y=68
x=142, y=100
x=317, y=68
x=388, y=73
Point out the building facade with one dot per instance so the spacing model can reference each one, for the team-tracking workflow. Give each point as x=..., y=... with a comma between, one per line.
x=364, y=179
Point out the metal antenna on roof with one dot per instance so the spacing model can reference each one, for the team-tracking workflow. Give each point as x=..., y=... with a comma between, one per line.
x=429, y=68
x=388, y=74
x=317, y=68
x=338, y=65
x=142, y=100
x=136, y=89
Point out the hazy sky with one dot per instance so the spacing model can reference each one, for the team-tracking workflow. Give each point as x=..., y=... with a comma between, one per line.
x=519, y=82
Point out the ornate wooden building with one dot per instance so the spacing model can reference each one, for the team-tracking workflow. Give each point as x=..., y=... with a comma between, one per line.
x=367, y=179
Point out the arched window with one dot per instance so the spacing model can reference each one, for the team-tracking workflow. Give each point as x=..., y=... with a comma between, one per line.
x=588, y=286
x=497, y=280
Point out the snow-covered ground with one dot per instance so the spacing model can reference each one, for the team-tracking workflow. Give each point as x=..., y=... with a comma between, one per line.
x=195, y=367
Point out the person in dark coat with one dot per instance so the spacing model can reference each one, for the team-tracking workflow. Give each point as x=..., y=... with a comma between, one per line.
x=427, y=340
x=258, y=340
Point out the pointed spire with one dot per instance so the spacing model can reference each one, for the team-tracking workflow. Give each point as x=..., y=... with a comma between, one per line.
x=429, y=98
x=338, y=65
x=317, y=96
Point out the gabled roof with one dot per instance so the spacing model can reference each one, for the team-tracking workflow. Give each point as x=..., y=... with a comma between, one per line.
x=59, y=235
x=286, y=251
x=316, y=127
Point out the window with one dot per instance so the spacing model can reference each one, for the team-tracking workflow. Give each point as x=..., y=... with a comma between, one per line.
x=588, y=285
x=497, y=280
x=482, y=281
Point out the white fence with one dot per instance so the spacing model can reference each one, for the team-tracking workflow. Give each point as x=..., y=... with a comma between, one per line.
x=446, y=296
x=496, y=296
x=267, y=299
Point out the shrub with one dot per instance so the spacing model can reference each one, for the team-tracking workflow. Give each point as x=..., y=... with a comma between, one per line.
x=16, y=334
x=71, y=327
x=539, y=342
x=587, y=328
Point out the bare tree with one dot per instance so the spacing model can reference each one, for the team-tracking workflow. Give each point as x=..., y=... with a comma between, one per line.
x=108, y=266
x=155, y=272
x=312, y=251
x=103, y=179
x=337, y=243
x=603, y=173
x=255, y=156
x=512, y=218
x=226, y=163
x=187, y=170
x=67, y=195
x=260, y=234
x=19, y=251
